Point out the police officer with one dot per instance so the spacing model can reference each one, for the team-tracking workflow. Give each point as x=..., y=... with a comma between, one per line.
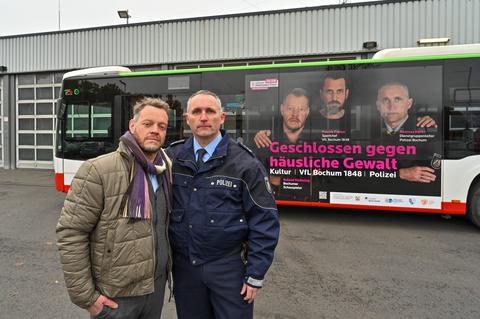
x=224, y=222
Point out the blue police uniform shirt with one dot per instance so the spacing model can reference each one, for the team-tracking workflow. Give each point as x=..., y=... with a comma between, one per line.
x=210, y=148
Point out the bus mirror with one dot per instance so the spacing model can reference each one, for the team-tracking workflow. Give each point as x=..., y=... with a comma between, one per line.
x=60, y=108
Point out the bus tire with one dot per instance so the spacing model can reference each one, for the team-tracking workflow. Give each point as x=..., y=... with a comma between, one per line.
x=473, y=205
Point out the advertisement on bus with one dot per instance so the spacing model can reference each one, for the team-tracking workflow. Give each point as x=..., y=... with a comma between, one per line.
x=324, y=135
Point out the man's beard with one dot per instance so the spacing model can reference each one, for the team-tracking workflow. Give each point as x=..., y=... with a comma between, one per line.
x=147, y=149
x=294, y=129
x=150, y=150
x=333, y=108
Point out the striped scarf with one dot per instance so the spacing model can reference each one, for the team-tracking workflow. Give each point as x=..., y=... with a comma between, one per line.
x=138, y=205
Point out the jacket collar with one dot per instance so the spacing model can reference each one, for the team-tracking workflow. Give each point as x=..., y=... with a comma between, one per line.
x=122, y=149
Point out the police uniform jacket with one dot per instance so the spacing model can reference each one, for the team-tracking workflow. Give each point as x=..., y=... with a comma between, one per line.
x=225, y=203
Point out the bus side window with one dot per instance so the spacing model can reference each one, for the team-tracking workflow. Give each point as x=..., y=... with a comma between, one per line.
x=462, y=108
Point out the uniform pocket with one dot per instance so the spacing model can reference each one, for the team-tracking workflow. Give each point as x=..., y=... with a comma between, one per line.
x=226, y=219
x=223, y=193
x=226, y=226
x=180, y=190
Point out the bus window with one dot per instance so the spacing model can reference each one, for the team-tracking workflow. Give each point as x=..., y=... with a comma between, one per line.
x=233, y=106
x=101, y=120
x=88, y=130
x=77, y=120
x=462, y=109
x=463, y=131
x=177, y=106
x=230, y=88
x=85, y=120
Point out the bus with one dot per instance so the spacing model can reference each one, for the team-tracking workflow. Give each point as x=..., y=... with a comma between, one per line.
x=398, y=132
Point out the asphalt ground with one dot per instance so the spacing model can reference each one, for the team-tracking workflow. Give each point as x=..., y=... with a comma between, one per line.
x=329, y=263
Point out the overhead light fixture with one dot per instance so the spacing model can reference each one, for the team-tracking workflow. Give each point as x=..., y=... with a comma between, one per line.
x=433, y=41
x=370, y=45
x=123, y=14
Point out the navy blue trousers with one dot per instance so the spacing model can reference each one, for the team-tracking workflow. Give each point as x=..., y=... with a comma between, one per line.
x=211, y=290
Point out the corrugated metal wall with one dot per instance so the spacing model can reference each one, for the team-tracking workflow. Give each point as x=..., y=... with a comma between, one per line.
x=317, y=31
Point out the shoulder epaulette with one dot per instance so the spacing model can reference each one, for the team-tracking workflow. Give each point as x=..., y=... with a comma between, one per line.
x=177, y=142
x=246, y=148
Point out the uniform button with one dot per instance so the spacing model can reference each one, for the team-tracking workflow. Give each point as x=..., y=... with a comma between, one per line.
x=185, y=182
x=241, y=220
x=190, y=226
x=212, y=183
x=194, y=262
x=212, y=221
x=194, y=189
x=234, y=186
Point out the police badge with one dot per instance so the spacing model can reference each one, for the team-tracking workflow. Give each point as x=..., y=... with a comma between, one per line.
x=436, y=162
x=267, y=185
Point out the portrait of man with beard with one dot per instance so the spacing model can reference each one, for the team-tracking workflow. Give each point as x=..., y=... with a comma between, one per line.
x=294, y=112
x=330, y=115
x=334, y=94
x=294, y=128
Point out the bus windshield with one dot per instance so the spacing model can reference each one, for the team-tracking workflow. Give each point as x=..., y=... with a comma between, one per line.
x=88, y=130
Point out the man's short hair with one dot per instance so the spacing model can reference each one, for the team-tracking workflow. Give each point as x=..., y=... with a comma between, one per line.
x=334, y=75
x=297, y=92
x=149, y=101
x=205, y=92
x=395, y=83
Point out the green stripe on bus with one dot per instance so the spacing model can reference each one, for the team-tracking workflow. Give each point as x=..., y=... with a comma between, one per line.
x=304, y=64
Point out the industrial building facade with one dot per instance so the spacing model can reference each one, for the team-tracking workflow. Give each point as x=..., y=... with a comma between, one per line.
x=31, y=66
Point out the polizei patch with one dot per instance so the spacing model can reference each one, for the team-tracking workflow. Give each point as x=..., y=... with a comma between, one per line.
x=225, y=183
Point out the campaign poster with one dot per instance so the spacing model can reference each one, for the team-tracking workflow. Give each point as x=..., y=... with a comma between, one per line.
x=365, y=137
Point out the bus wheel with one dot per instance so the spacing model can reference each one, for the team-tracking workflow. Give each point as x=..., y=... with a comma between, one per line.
x=473, y=205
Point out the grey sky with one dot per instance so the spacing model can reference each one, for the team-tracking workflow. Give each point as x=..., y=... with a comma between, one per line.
x=32, y=16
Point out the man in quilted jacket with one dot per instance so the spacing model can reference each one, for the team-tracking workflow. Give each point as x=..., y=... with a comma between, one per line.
x=112, y=231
